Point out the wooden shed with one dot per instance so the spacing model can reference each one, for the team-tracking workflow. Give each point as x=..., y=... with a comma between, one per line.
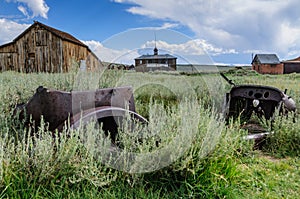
x=291, y=66
x=41, y=48
x=267, y=64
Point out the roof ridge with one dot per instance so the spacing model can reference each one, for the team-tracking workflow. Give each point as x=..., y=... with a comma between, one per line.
x=266, y=58
x=61, y=34
x=166, y=56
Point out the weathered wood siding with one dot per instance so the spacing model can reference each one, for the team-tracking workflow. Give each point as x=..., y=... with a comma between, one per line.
x=92, y=62
x=48, y=52
x=40, y=50
x=8, y=57
x=72, y=53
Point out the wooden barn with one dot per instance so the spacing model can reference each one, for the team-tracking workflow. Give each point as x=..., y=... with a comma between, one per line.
x=156, y=61
x=41, y=48
x=267, y=64
x=291, y=66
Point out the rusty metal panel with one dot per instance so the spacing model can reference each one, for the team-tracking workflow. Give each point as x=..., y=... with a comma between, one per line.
x=256, y=92
x=247, y=99
x=57, y=106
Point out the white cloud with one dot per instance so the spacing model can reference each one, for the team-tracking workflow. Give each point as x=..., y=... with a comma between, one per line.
x=267, y=25
x=287, y=36
x=193, y=51
x=92, y=44
x=169, y=25
x=191, y=47
x=124, y=56
x=37, y=7
x=29, y=8
x=292, y=54
x=164, y=26
x=119, y=1
x=10, y=30
x=23, y=10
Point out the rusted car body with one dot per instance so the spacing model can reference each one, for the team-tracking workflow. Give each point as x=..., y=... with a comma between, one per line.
x=242, y=101
x=59, y=109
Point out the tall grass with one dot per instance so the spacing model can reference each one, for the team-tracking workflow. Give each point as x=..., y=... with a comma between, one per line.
x=186, y=150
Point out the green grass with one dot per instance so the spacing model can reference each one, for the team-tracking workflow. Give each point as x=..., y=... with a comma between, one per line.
x=266, y=176
x=206, y=158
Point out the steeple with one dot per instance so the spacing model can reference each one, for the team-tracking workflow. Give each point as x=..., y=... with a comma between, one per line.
x=155, y=49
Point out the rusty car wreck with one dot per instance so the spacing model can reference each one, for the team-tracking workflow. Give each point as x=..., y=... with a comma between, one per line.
x=243, y=101
x=58, y=108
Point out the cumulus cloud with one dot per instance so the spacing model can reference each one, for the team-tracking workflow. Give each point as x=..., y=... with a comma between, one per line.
x=124, y=56
x=23, y=10
x=169, y=25
x=192, y=47
x=35, y=7
x=10, y=30
x=267, y=25
x=93, y=45
x=193, y=51
x=29, y=8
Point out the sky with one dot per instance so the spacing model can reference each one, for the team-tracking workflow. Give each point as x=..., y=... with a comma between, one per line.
x=197, y=31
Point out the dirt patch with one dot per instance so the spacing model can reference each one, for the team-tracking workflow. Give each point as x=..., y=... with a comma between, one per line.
x=271, y=158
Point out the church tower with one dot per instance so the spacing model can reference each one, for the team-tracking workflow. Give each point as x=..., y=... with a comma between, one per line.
x=155, y=51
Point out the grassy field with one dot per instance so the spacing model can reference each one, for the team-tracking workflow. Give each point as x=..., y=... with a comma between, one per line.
x=205, y=158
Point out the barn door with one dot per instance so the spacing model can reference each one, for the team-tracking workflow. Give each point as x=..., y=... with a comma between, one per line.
x=30, y=63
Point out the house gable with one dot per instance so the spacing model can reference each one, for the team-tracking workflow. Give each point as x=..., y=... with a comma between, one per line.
x=62, y=35
x=41, y=48
x=266, y=59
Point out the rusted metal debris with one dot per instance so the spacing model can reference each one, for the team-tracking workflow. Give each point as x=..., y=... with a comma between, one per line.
x=57, y=108
x=242, y=101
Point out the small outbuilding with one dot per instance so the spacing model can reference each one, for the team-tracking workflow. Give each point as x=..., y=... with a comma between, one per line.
x=41, y=48
x=291, y=66
x=155, y=62
x=267, y=64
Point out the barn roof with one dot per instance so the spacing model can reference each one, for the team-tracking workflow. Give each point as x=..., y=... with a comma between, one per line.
x=296, y=60
x=163, y=56
x=58, y=33
x=266, y=59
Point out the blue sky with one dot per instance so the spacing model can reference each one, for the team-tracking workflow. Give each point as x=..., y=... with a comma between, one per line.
x=197, y=30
